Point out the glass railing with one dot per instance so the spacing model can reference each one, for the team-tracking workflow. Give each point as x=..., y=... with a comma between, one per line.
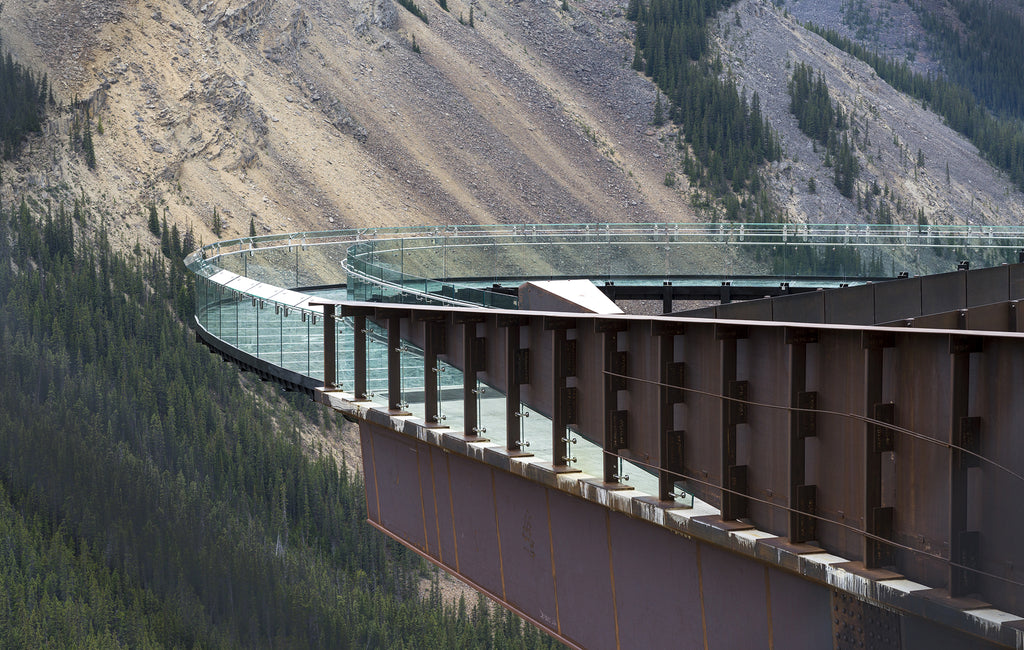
x=460, y=268
x=242, y=299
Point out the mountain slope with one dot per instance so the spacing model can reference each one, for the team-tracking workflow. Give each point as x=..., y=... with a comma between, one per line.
x=308, y=117
x=304, y=115
x=890, y=130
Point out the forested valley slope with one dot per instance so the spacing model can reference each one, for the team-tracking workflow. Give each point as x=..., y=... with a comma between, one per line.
x=289, y=115
x=152, y=496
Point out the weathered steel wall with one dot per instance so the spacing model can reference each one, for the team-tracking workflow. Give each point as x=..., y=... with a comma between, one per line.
x=596, y=578
x=786, y=425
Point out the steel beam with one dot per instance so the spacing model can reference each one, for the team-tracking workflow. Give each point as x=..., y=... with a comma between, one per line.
x=330, y=343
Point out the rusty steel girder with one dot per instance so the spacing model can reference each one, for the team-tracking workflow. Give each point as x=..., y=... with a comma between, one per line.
x=895, y=447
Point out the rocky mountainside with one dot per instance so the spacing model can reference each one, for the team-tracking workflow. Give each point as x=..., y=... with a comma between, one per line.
x=955, y=185
x=307, y=115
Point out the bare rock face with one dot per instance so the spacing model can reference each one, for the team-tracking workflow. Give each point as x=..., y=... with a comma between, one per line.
x=290, y=38
x=313, y=114
x=341, y=119
x=385, y=14
x=378, y=13
x=229, y=97
x=761, y=44
x=242, y=22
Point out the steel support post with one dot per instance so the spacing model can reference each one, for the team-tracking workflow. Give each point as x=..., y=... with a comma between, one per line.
x=394, y=325
x=513, y=403
x=615, y=368
x=471, y=364
x=359, y=345
x=734, y=412
x=517, y=371
x=802, y=424
x=563, y=398
x=330, y=343
x=559, y=420
x=671, y=377
x=965, y=431
x=878, y=439
x=433, y=334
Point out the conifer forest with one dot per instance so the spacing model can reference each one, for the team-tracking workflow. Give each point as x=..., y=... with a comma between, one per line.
x=153, y=496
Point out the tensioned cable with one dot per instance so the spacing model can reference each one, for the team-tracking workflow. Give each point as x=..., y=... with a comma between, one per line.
x=846, y=526
x=853, y=416
x=822, y=518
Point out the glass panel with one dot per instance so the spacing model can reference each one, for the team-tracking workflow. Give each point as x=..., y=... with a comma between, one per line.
x=462, y=265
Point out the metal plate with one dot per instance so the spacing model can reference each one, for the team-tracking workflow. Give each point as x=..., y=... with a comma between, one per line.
x=369, y=475
x=850, y=306
x=657, y=592
x=857, y=625
x=522, y=520
x=395, y=462
x=730, y=585
x=1016, y=282
x=476, y=537
x=581, y=550
x=747, y=310
x=441, y=484
x=986, y=286
x=897, y=299
x=800, y=612
x=942, y=293
x=800, y=307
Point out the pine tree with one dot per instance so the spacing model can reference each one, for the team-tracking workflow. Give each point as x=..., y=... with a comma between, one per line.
x=217, y=226
x=87, y=148
x=252, y=226
x=471, y=23
x=633, y=10
x=188, y=242
x=154, y=221
x=165, y=238
x=659, y=111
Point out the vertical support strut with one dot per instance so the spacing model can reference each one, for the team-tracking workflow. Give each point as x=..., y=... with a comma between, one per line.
x=395, y=363
x=965, y=432
x=513, y=400
x=671, y=377
x=614, y=369
x=516, y=374
x=473, y=362
x=359, y=344
x=431, y=346
x=359, y=332
x=559, y=419
x=563, y=398
x=330, y=357
x=878, y=439
x=802, y=425
x=734, y=412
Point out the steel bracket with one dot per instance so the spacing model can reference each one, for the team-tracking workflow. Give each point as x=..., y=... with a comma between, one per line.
x=675, y=377
x=884, y=439
x=618, y=425
x=522, y=366
x=807, y=420
x=738, y=410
